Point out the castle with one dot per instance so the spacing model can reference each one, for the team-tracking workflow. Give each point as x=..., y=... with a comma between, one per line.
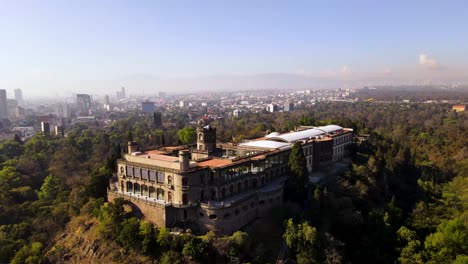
x=220, y=187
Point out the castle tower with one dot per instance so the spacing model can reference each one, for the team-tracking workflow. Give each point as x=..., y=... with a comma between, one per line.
x=206, y=139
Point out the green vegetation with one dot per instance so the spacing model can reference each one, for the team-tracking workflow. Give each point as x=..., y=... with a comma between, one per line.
x=403, y=200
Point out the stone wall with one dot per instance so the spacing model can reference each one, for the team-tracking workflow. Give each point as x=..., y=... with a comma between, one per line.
x=155, y=213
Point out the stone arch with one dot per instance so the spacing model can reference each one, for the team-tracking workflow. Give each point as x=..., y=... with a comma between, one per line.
x=144, y=190
x=160, y=194
x=152, y=191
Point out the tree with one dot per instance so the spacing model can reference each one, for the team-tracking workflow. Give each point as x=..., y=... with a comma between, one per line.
x=187, y=135
x=29, y=254
x=148, y=235
x=303, y=239
x=129, y=235
x=450, y=240
x=50, y=188
x=296, y=184
x=194, y=247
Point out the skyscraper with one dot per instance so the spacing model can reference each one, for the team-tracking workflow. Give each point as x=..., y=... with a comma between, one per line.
x=3, y=104
x=19, y=96
x=83, y=102
x=45, y=128
x=147, y=107
x=157, y=119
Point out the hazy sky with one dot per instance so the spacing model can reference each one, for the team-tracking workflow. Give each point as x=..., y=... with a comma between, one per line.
x=87, y=46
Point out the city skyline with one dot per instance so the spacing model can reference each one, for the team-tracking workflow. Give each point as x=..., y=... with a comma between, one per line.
x=55, y=48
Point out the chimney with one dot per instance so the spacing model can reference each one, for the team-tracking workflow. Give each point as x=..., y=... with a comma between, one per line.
x=132, y=147
x=184, y=160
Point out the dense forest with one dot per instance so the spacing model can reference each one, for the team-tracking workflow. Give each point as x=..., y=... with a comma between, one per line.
x=404, y=198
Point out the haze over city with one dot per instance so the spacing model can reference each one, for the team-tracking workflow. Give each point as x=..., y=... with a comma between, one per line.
x=51, y=48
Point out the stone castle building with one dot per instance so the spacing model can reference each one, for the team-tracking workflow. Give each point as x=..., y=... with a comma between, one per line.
x=219, y=187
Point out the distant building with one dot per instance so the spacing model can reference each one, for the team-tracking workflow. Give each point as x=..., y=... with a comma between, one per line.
x=183, y=104
x=59, y=131
x=64, y=110
x=157, y=119
x=24, y=132
x=12, y=106
x=288, y=106
x=3, y=104
x=147, y=107
x=162, y=94
x=458, y=108
x=121, y=93
x=106, y=99
x=19, y=97
x=272, y=108
x=238, y=112
x=83, y=102
x=45, y=128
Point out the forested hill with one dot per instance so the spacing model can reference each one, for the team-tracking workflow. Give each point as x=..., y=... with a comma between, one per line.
x=404, y=199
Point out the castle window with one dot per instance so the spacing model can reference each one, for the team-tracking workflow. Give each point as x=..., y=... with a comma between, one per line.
x=236, y=212
x=137, y=188
x=184, y=198
x=129, y=187
x=185, y=215
x=144, y=190
x=160, y=194
x=169, y=179
x=152, y=191
x=223, y=193
x=213, y=217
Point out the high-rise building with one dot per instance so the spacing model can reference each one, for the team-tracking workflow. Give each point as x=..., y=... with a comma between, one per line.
x=19, y=97
x=83, y=102
x=121, y=93
x=106, y=99
x=288, y=106
x=3, y=104
x=157, y=119
x=12, y=106
x=45, y=128
x=147, y=107
x=59, y=131
x=272, y=108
